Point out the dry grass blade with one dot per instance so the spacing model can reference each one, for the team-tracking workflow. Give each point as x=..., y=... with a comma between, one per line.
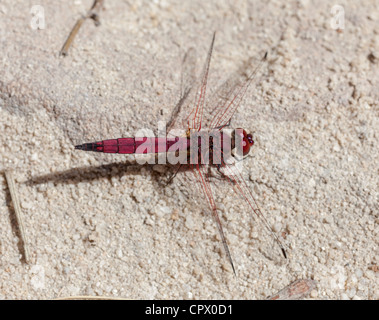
x=90, y=298
x=295, y=291
x=93, y=14
x=17, y=209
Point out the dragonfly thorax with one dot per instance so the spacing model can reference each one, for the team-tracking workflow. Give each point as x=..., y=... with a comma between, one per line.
x=219, y=145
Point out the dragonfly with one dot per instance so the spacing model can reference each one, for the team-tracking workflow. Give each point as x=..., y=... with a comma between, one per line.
x=194, y=115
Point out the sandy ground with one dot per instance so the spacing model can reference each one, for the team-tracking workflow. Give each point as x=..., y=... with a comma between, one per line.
x=103, y=225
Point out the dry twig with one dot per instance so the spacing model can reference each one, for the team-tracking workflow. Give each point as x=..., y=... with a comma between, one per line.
x=17, y=210
x=295, y=291
x=90, y=298
x=93, y=14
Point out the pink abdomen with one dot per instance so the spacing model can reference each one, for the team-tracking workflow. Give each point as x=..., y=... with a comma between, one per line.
x=136, y=145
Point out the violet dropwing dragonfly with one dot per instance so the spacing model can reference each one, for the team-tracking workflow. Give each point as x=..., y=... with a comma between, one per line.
x=193, y=117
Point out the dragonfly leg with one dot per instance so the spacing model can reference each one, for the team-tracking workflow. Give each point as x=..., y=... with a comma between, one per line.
x=223, y=175
x=174, y=174
x=225, y=125
x=238, y=159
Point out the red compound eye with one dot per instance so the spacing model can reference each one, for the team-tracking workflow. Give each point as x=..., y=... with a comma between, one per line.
x=247, y=141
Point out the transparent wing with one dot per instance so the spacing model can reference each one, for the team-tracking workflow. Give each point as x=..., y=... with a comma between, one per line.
x=200, y=172
x=211, y=193
x=234, y=175
x=188, y=113
x=188, y=79
x=227, y=98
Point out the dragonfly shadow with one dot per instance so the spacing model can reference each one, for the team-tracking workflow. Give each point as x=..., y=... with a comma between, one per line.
x=89, y=173
x=163, y=176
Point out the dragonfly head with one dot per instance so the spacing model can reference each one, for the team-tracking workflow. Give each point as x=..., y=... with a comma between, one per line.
x=245, y=138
